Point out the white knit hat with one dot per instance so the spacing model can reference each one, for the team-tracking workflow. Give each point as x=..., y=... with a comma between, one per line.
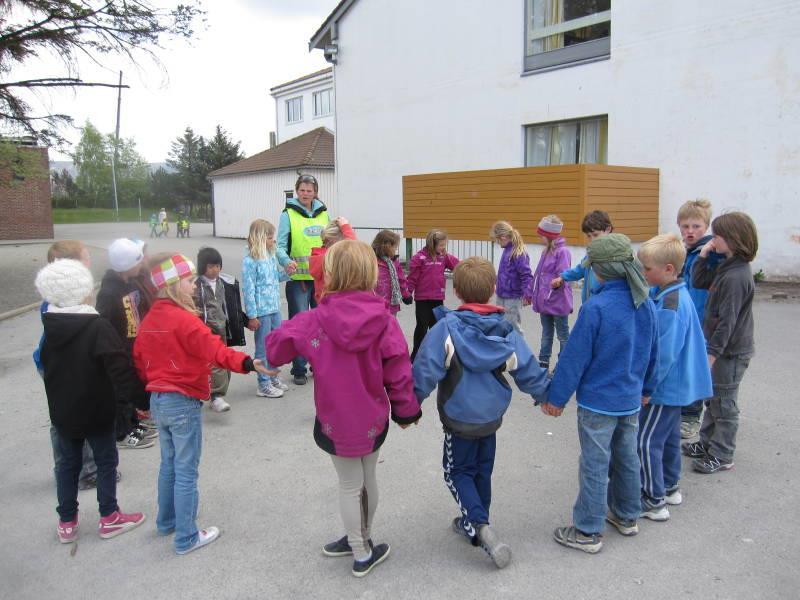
x=65, y=282
x=124, y=254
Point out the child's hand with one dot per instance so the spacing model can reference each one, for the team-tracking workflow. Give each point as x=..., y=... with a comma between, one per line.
x=526, y=302
x=259, y=366
x=552, y=411
x=341, y=221
x=408, y=300
x=556, y=283
x=407, y=425
x=711, y=361
x=645, y=400
x=290, y=268
x=253, y=324
x=707, y=249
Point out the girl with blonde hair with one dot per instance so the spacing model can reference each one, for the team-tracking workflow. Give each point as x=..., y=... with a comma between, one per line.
x=514, y=277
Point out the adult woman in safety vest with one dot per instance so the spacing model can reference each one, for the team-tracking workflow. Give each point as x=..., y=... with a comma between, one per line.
x=299, y=230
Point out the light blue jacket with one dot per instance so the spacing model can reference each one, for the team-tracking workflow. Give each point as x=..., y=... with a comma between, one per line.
x=261, y=279
x=579, y=272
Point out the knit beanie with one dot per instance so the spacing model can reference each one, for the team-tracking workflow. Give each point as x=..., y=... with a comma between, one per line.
x=549, y=230
x=124, y=254
x=65, y=283
x=172, y=270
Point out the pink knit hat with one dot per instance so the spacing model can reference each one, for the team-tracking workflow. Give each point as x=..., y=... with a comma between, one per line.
x=172, y=270
x=549, y=230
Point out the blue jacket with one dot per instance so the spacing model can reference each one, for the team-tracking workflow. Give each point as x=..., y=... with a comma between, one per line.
x=611, y=357
x=465, y=354
x=37, y=354
x=683, y=375
x=261, y=291
x=698, y=295
x=579, y=272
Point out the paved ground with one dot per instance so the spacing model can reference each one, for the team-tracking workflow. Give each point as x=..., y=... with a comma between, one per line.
x=273, y=493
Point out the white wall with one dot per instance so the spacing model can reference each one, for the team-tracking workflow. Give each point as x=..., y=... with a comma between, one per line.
x=709, y=92
x=239, y=199
x=287, y=131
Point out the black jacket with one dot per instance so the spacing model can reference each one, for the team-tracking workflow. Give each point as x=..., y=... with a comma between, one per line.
x=86, y=372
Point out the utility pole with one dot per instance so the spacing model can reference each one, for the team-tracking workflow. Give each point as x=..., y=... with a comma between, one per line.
x=116, y=144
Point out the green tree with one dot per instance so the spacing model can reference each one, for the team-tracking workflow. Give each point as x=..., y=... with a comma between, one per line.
x=93, y=162
x=164, y=189
x=188, y=157
x=64, y=189
x=221, y=151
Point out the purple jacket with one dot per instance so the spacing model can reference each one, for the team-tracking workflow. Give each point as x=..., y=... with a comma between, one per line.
x=384, y=286
x=361, y=370
x=426, y=275
x=546, y=300
x=514, y=277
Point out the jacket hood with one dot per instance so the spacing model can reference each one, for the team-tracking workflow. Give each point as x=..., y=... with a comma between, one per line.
x=114, y=284
x=353, y=320
x=559, y=242
x=61, y=327
x=698, y=245
x=483, y=341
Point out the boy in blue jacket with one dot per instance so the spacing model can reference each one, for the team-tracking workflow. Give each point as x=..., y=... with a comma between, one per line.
x=682, y=375
x=610, y=360
x=466, y=355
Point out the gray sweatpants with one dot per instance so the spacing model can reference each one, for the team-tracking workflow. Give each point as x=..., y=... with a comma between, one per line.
x=358, y=499
x=512, y=314
x=721, y=417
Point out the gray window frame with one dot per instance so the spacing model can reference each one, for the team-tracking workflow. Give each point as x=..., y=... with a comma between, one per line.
x=300, y=104
x=318, y=94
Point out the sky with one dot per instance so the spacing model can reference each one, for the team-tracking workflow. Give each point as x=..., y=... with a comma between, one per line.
x=222, y=76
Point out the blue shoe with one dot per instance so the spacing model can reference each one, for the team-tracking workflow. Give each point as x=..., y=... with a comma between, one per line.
x=379, y=554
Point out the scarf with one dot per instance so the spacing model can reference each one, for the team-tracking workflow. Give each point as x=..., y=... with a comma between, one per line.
x=395, y=301
x=611, y=257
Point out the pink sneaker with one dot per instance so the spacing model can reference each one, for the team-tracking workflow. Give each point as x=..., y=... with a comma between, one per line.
x=68, y=531
x=118, y=522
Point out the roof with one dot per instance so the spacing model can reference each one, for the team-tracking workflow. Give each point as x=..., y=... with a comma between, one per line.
x=322, y=36
x=303, y=78
x=312, y=149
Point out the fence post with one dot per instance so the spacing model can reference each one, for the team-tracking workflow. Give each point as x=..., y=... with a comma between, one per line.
x=409, y=250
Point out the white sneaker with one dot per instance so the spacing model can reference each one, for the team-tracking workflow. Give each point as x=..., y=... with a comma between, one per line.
x=656, y=513
x=267, y=391
x=219, y=405
x=674, y=498
x=204, y=538
x=278, y=383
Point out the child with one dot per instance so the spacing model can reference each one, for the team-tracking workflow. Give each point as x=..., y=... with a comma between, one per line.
x=682, y=375
x=553, y=304
x=465, y=355
x=392, y=285
x=610, y=360
x=209, y=297
x=514, y=278
x=261, y=277
x=595, y=224
x=426, y=281
x=86, y=372
x=335, y=231
x=172, y=334
x=153, y=225
x=362, y=375
x=728, y=329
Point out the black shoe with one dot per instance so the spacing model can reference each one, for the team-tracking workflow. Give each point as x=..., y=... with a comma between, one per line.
x=711, y=464
x=340, y=547
x=300, y=380
x=379, y=554
x=694, y=449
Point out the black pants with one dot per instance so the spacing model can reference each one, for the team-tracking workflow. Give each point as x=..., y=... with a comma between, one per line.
x=425, y=320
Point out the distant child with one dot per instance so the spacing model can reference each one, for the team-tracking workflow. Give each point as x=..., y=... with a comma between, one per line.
x=682, y=375
x=86, y=372
x=392, y=285
x=172, y=334
x=154, y=226
x=595, y=224
x=362, y=376
x=611, y=361
x=554, y=305
x=426, y=281
x=263, y=268
x=209, y=297
x=728, y=329
x=466, y=355
x=514, y=277
x=337, y=230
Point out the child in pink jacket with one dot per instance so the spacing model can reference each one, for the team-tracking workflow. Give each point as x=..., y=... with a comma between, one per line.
x=362, y=377
x=392, y=285
x=426, y=282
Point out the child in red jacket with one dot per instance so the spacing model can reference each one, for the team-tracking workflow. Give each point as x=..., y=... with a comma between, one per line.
x=172, y=354
x=337, y=230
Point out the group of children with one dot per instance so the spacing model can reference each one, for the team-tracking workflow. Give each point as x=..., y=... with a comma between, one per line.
x=637, y=355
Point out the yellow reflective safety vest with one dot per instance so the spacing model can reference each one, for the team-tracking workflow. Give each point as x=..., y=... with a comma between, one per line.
x=305, y=233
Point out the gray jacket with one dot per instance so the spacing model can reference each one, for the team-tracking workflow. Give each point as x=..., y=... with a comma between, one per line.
x=211, y=304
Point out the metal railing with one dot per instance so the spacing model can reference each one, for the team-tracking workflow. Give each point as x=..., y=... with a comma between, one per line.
x=458, y=248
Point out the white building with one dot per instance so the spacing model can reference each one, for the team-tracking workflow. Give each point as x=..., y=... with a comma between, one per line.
x=708, y=92
x=304, y=104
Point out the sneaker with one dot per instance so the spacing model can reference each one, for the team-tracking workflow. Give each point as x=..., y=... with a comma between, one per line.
x=711, y=464
x=301, y=380
x=67, y=531
x=627, y=527
x=219, y=405
x=91, y=481
x=133, y=441
x=694, y=449
x=379, y=554
x=267, y=391
x=278, y=383
x=458, y=527
x=689, y=429
x=340, y=547
x=498, y=551
x=674, y=496
x=654, y=511
x=145, y=433
x=571, y=537
x=118, y=523
x=204, y=538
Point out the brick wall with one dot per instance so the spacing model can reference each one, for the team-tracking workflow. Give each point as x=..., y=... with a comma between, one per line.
x=25, y=206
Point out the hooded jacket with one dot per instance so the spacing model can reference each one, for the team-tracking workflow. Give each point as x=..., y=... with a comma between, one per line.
x=122, y=303
x=383, y=287
x=546, y=300
x=361, y=370
x=514, y=277
x=261, y=278
x=426, y=274
x=466, y=355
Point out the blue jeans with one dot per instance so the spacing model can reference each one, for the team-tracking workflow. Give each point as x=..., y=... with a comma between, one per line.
x=300, y=298
x=659, y=449
x=266, y=323
x=68, y=467
x=180, y=428
x=609, y=470
x=88, y=468
x=561, y=325
x=468, y=466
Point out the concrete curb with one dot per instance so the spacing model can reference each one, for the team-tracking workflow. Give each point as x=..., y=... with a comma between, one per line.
x=10, y=314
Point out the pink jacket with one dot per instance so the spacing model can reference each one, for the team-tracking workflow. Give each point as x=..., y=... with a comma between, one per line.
x=384, y=286
x=426, y=275
x=361, y=370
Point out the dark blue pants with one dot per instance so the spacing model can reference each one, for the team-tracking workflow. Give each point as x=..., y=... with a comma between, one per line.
x=693, y=411
x=659, y=446
x=468, y=466
x=300, y=298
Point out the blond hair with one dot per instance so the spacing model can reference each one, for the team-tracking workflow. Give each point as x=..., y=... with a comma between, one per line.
x=552, y=219
x=665, y=249
x=257, y=247
x=178, y=296
x=350, y=265
x=65, y=249
x=695, y=209
x=331, y=234
x=504, y=228
x=474, y=280
x=432, y=239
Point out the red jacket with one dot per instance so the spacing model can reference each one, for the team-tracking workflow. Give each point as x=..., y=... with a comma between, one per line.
x=175, y=350
x=317, y=262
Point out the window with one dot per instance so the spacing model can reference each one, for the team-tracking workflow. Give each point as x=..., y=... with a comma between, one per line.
x=288, y=194
x=562, y=32
x=294, y=110
x=567, y=143
x=322, y=103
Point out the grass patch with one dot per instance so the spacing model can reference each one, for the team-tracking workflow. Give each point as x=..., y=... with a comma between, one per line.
x=63, y=216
